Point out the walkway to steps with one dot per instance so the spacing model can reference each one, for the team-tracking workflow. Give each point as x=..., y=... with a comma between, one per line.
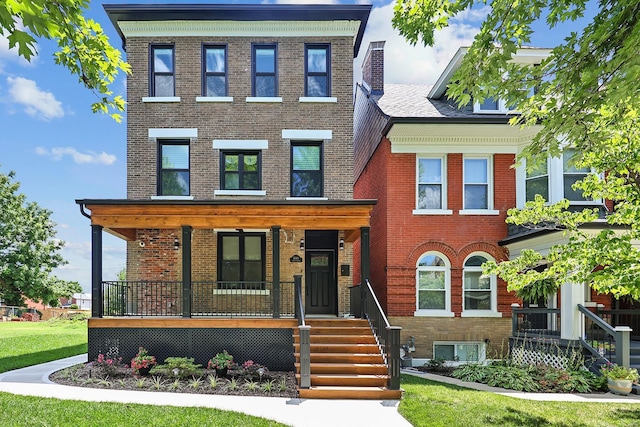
x=346, y=362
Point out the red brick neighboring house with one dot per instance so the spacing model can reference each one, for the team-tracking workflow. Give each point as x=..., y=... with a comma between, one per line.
x=444, y=180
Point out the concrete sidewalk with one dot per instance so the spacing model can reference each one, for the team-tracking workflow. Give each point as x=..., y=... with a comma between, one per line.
x=293, y=412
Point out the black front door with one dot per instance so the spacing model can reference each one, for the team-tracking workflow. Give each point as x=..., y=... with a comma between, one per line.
x=320, y=282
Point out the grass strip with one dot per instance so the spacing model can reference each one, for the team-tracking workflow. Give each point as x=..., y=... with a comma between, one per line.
x=428, y=403
x=19, y=411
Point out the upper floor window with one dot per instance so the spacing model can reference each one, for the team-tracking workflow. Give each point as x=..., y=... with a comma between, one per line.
x=306, y=169
x=265, y=76
x=214, y=78
x=571, y=174
x=553, y=179
x=433, y=284
x=479, y=290
x=489, y=105
x=477, y=184
x=241, y=170
x=537, y=181
x=173, y=168
x=241, y=260
x=162, y=79
x=431, y=188
x=317, y=70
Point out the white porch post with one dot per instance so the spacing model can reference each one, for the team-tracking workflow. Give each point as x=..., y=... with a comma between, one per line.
x=571, y=294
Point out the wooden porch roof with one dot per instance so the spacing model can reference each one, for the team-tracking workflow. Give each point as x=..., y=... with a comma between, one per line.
x=122, y=217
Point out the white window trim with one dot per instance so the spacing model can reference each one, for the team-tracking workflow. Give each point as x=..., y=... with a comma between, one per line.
x=490, y=210
x=443, y=186
x=172, y=133
x=555, y=175
x=265, y=99
x=307, y=134
x=494, y=290
x=447, y=288
x=214, y=98
x=239, y=192
x=171, y=197
x=432, y=212
x=240, y=144
x=320, y=99
x=160, y=99
x=482, y=351
x=306, y=198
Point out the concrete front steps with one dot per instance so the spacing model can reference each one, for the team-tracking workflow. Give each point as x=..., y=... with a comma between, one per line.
x=346, y=362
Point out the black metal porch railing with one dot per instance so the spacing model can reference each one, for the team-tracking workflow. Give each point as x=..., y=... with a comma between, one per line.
x=388, y=336
x=622, y=317
x=535, y=322
x=208, y=299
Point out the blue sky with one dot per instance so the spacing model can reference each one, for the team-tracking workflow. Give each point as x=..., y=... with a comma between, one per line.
x=61, y=151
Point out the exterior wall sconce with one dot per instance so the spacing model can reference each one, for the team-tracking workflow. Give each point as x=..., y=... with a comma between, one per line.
x=176, y=244
x=302, y=244
x=341, y=246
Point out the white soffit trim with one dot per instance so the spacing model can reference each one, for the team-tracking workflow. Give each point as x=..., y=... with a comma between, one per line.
x=243, y=144
x=239, y=28
x=459, y=138
x=173, y=133
x=310, y=135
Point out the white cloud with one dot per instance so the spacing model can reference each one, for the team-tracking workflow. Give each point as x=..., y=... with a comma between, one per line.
x=11, y=55
x=36, y=102
x=404, y=63
x=90, y=157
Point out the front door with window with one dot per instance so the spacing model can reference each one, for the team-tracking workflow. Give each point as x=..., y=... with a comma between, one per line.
x=320, y=283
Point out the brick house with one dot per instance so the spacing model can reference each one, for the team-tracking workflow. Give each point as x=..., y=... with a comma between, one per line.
x=240, y=212
x=444, y=180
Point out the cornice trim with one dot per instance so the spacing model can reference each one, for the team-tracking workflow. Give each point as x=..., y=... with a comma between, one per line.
x=238, y=29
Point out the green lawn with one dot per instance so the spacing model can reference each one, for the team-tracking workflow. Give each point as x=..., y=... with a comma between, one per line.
x=427, y=403
x=19, y=411
x=29, y=343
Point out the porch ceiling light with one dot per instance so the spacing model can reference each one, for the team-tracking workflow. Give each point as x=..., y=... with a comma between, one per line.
x=302, y=244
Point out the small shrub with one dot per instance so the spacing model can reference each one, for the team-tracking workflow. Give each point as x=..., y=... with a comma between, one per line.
x=157, y=383
x=233, y=384
x=181, y=367
x=253, y=371
x=109, y=364
x=141, y=383
x=221, y=361
x=195, y=383
x=282, y=384
x=213, y=381
x=251, y=385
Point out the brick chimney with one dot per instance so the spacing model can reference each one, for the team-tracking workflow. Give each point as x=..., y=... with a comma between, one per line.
x=373, y=68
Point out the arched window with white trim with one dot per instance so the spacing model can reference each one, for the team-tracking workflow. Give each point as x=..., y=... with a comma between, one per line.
x=433, y=285
x=480, y=290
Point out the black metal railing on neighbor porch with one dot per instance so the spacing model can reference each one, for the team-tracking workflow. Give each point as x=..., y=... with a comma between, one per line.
x=364, y=298
x=208, y=299
x=533, y=321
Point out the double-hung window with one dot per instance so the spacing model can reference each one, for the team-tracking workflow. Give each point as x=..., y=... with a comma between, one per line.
x=173, y=168
x=431, y=189
x=306, y=169
x=265, y=76
x=477, y=185
x=479, y=289
x=571, y=174
x=537, y=181
x=241, y=260
x=162, y=78
x=241, y=170
x=433, y=279
x=317, y=70
x=214, y=70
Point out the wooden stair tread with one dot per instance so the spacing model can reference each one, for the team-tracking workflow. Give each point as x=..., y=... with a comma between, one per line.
x=349, y=392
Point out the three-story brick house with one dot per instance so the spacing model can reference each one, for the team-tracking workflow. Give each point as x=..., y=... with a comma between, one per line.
x=239, y=180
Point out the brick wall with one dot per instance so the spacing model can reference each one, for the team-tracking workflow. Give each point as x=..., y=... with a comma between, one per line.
x=239, y=119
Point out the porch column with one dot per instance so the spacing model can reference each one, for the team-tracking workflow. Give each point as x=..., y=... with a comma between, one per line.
x=364, y=267
x=275, y=252
x=186, y=271
x=571, y=327
x=96, y=271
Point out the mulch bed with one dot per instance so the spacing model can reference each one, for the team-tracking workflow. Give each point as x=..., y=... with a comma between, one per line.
x=282, y=384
